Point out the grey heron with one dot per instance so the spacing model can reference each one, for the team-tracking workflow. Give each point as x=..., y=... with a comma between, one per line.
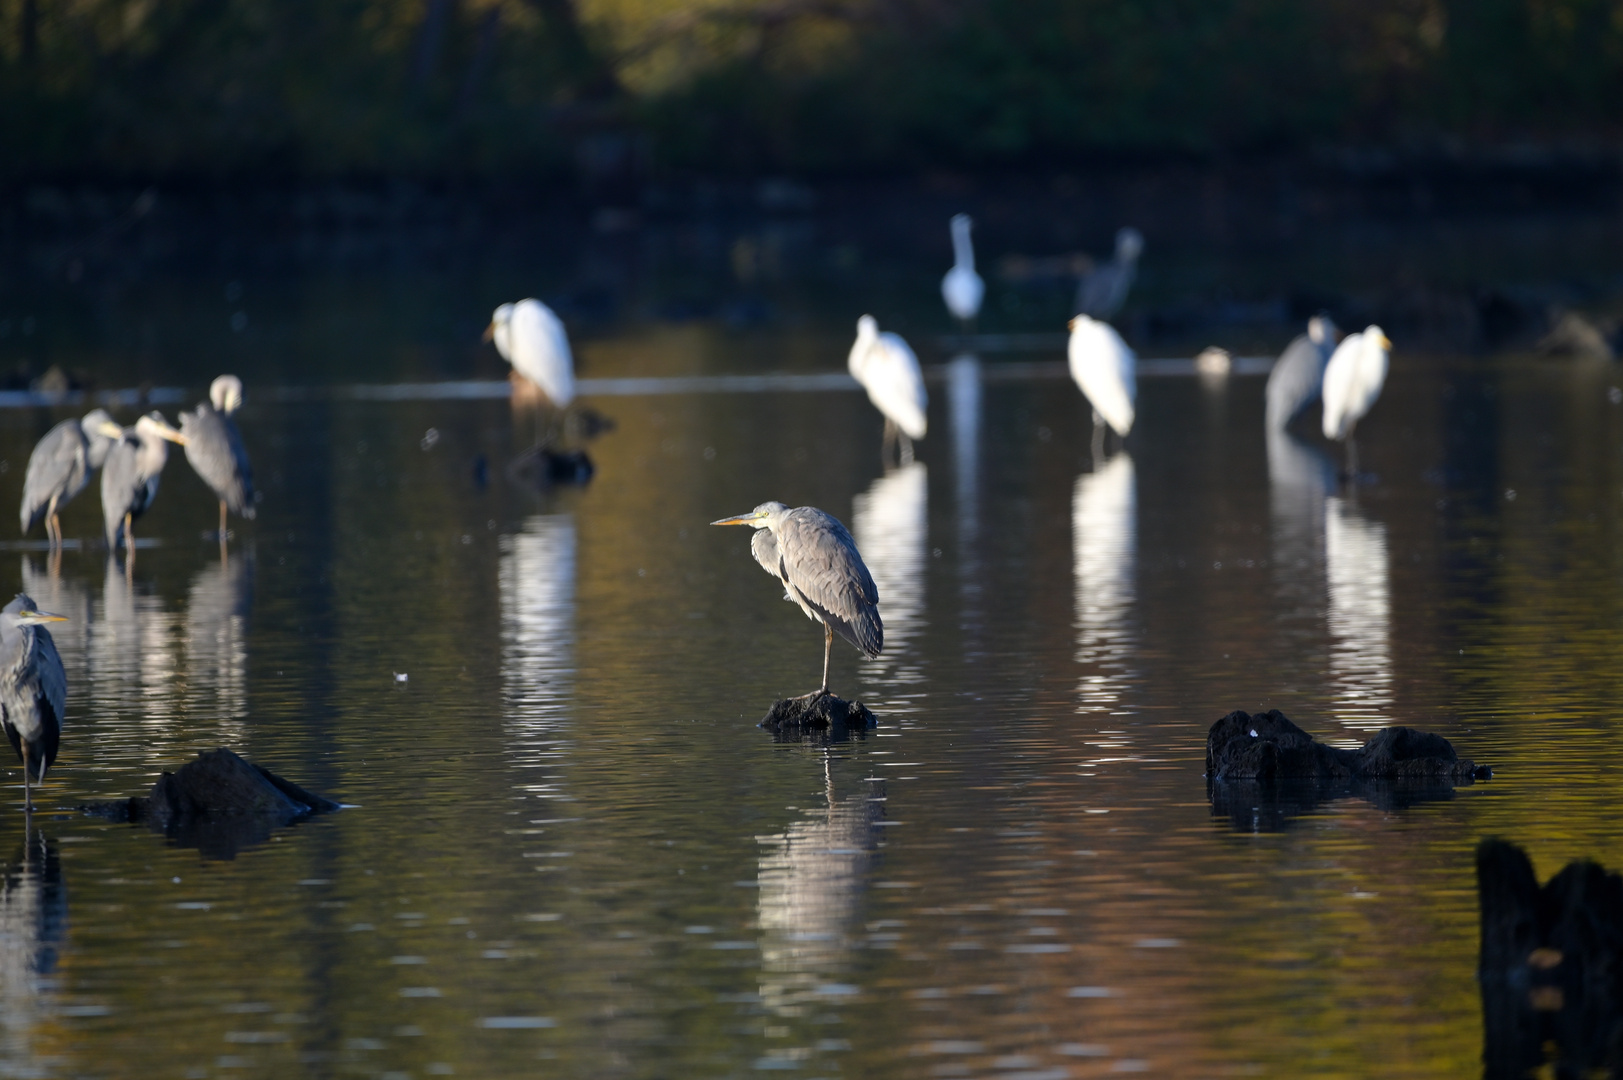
x=1105, y=370
x=214, y=449
x=814, y=557
x=60, y=467
x=33, y=688
x=1298, y=375
x=1103, y=290
x=1352, y=382
x=962, y=288
x=886, y=367
x=129, y=479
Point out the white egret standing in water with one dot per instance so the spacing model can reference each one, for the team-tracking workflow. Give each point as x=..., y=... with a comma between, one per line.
x=888, y=370
x=530, y=337
x=1352, y=382
x=1298, y=375
x=962, y=288
x=1105, y=370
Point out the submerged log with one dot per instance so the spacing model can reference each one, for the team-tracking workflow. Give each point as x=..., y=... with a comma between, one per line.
x=1267, y=746
x=1551, y=968
x=822, y=715
x=218, y=803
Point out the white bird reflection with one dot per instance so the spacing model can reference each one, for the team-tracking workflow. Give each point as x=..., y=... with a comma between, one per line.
x=812, y=878
x=1300, y=477
x=216, y=638
x=131, y=656
x=1104, y=543
x=1359, y=614
x=536, y=577
x=33, y=926
x=964, y=409
x=890, y=524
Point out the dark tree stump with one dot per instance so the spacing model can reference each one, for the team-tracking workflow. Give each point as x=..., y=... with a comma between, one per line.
x=218, y=803
x=821, y=715
x=1551, y=968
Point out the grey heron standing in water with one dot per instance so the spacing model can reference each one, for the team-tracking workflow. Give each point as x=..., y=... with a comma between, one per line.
x=1103, y=290
x=33, y=689
x=60, y=467
x=1298, y=375
x=821, y=570
x=214, y=449
x=129, y=479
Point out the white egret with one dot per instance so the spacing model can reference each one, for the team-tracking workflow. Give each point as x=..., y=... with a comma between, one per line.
x=1104, y=368
x=888, y=370
x=1298, y=374
x=531, y=338
x=1103, y=290
x=1352, y=381
x=962, y=288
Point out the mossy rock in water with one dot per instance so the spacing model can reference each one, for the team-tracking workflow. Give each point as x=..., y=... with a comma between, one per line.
x=817, y=714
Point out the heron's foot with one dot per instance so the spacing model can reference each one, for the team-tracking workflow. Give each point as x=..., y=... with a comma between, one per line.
x=815, y=694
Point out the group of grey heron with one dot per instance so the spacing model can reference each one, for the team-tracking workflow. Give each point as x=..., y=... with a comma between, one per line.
x=33, y=685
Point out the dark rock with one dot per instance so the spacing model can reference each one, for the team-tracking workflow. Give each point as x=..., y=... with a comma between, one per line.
x=818, y=715
x=218, y=803
x=1262, y=770
x=1551, y=967
x=543, y=468
x=1267, y=746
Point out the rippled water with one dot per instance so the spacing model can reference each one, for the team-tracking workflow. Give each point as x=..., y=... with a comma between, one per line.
x=571, y=852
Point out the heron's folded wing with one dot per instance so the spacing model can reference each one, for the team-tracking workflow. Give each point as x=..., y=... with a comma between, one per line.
x=819, y=558
x=215, y=451
x=53, y=693
x=57, y=464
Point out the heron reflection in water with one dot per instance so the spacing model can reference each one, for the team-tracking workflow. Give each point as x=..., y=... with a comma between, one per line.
x=33, y=928
x=1360, y=612
x=816, y=560
x=964, y=391
x=1104, y=541
x=890, y=523
x=1300, y=478
x=215, y=635
x=134, y=657
x=812, y=879
x=536, y=581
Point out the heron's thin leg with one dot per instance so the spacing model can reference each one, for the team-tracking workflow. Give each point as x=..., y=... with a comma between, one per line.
x=129, y=531
x=1098, y=440
x=904, y=455
x=828, y=644
x=28, y=802
x=222, y=521
x=1352, y=454
x=891, y=431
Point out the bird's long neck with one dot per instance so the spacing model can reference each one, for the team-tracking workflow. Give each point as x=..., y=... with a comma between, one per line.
x=963, y=250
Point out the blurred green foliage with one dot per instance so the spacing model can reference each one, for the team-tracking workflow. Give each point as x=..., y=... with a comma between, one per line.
x=520, y=88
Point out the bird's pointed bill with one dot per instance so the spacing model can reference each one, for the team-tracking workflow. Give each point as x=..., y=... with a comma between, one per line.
x=490, y=332
x=34, y=618
x=111, y=430
x=742, y=519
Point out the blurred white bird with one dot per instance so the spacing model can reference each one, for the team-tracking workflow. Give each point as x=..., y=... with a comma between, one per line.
x=1104, y=368
x=1352, y=381
x=530, y=337
x=888, y=370
x=962, y=288
x=1103, y=290
x=1298, y=374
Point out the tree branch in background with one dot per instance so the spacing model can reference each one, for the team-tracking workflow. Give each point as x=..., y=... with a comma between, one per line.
x=484, y=49
x=591, y=76
x=430, y=36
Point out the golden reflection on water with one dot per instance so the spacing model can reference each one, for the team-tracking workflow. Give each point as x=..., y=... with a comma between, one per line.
x=573, y=852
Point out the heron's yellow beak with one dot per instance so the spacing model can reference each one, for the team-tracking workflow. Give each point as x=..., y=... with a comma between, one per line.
x=1072, y=324
x=173, y=436
x=742, y=519
x=34, y=618
x=111, y=430
x=1386, y=343
x=490, y=332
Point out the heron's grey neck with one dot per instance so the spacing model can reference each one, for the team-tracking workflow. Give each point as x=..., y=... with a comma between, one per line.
x=963, y=249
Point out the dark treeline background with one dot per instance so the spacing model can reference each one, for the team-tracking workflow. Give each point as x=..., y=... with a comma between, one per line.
x=506, y=89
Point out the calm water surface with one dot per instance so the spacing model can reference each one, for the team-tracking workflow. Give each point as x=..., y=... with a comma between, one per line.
x=571, y=852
